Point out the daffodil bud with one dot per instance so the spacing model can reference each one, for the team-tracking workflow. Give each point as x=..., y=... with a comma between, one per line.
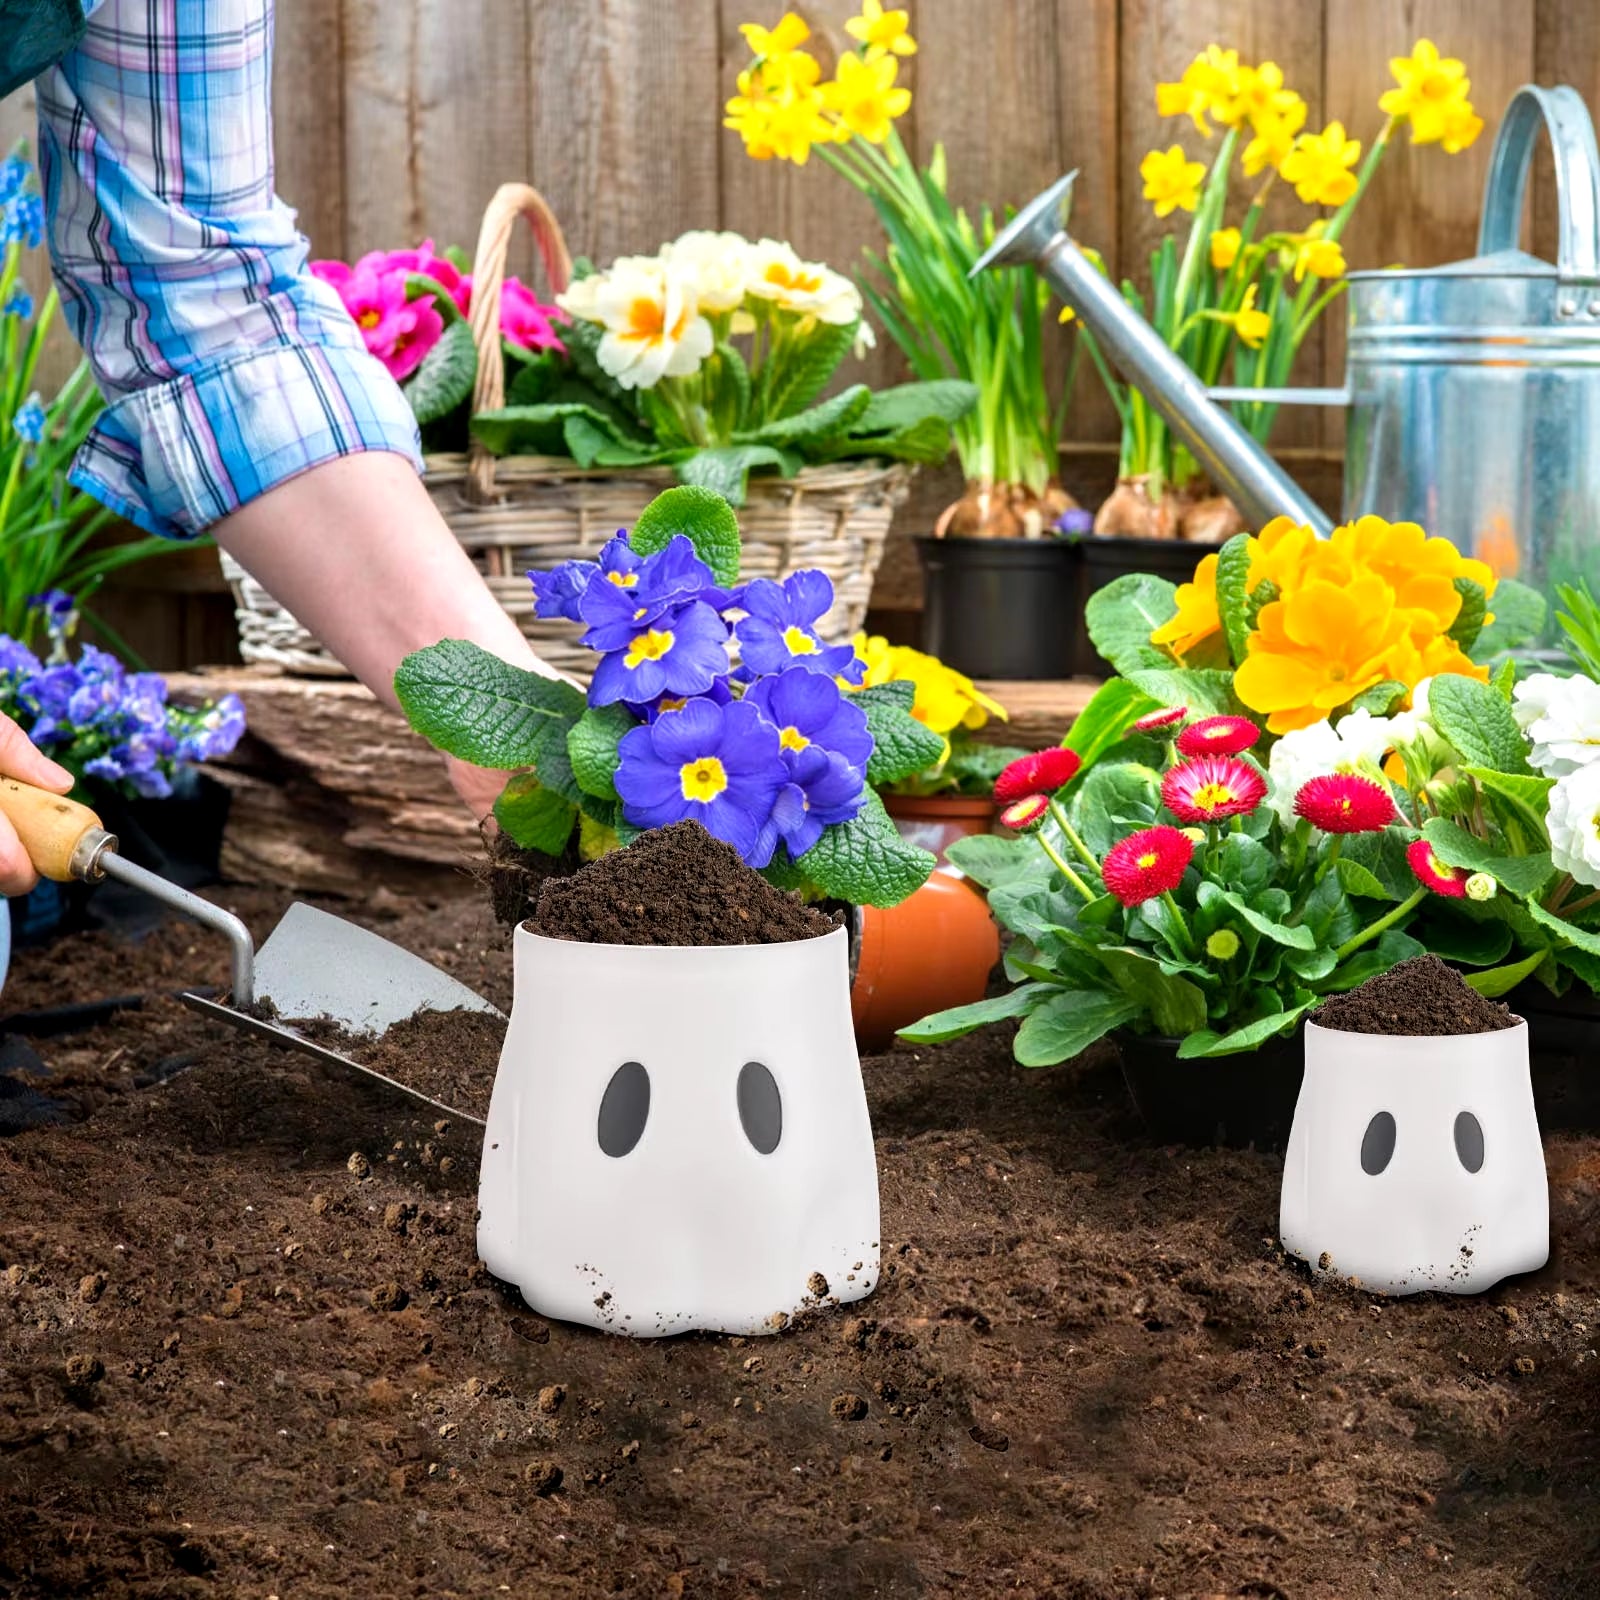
x=1480, y=886
x=1223, y=945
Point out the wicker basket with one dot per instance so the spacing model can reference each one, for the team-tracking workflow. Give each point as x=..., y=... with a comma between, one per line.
x=518, y=512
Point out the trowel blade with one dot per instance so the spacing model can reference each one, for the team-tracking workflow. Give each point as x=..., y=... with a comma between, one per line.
x=317, y=965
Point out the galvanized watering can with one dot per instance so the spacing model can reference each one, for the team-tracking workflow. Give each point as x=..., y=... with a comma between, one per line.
x=1473, y=388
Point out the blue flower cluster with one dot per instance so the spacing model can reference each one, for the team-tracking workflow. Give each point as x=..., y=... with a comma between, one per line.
x=21, y=209
x=741, y=724
x=29, y=420
x=102, y=721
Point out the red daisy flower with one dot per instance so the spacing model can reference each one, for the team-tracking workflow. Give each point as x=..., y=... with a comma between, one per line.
x=1344, y=802
x=1146, y=864
x=1161, y=721
x=1449, y=881
x=1218, y=736
x=1027, y=813
x=1043, y=772
x=1212, y=787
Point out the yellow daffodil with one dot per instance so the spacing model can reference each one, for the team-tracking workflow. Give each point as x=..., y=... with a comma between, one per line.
x=1316, y=255
x=1319, y=166
x=1066, y=315
x=1210, y=84
x=1259, y=96
x=865, y=97
x=1251, y=325
x=1431, y=94
x=779, y=110
x=1171, y=180
x=882, y=31
x=1224, y=248
x=790, y=33
x=1274, y=137
x=1196, y=618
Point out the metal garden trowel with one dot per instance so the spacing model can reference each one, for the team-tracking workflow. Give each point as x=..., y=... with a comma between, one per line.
x=312, y=965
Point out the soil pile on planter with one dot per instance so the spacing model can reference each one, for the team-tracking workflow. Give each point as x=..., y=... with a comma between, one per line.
x=1421, y=996
x=673, y=886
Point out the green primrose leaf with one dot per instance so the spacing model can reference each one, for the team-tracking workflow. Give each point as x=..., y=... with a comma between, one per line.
x=1469, y=619
x=725, y=469
x=805, y=372
x=478, y=708
x=991, y=861
x=1478, y=722
x=1520, y=613
x=1114, y=799
x=1526, y=798
x=1522, y=875
x=1251, y=1036
x=1379, y=698
x=1502, y=980
x=592, y=748
x=1207, y=694
x=1067, y=1023
x=1122, y=616
x=901, y=745
x=1383, y=856
x=865, y=861
x=1578, y=937
x=533, y=816
x=825, y=420
x=959, y=1021
x=1360, y=880
x=1233, y=593
x=1295, y=938
x=1247, y=865
x=905, y=405
x=1470, y=943
x=704, y=517
x=1101, y=725
x=445, y=377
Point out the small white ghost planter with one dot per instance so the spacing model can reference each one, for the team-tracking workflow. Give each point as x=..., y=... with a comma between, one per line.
x=678, y=1136
x=1415, y=1163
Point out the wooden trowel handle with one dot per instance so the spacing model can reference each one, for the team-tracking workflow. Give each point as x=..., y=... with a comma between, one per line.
x=63, y=838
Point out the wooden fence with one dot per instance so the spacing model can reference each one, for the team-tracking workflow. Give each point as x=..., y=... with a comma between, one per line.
x=397, y=118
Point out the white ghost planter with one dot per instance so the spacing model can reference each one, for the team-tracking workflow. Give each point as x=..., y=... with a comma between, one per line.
x=678, y=1136
x=1416, y=1163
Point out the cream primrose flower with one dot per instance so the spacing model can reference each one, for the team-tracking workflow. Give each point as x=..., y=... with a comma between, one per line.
x=654, y=329
x=1574, y=824
x=807, y=288
x=1561, y=717
x=1358, y=745
x=719, y=264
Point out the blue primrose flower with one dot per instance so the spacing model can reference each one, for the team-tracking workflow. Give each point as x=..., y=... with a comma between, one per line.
x=214, y=731
x=720, y=766
x=28, y=423
x=721, y=692
x=809, y=710
x=633, y=597
x=556, y=593
x=681, y=652
x=779, y=629
x=823, y=788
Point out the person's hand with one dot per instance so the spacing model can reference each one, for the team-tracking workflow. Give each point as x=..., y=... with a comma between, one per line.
x=19, y=759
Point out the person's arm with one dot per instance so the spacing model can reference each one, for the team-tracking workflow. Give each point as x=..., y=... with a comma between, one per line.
x=19, y=759
x=241, y=400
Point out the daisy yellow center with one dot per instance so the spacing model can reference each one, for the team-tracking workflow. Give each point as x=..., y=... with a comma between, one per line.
x=1211, y=795
x=793, y=739
x=1439, y=868
x=623, y=580
x=650, y=646
x=702, y=780
x=799, y=642
x=1148, y=860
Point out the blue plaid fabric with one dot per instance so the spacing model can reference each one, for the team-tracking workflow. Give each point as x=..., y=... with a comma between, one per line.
x=227, y=368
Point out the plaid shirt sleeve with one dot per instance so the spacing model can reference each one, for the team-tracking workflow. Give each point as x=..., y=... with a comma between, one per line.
x=227, y=368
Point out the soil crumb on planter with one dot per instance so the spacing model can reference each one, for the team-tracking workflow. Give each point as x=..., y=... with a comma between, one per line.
x=1419, y=997
x=673, y=886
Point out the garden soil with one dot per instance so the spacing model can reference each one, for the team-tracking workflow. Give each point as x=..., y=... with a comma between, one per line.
x=1418, y=998
x=246, y=1349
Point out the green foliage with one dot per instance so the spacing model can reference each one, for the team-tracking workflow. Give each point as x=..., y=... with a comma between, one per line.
x=1122, y=616
x=1476, y=719
x=592, y=749
x=1467, y=627
x=1521, y=874
x=533, y=816
x=1519, y=612
x=959, y=1021
x=1579, y=620
x=1233, y=593
x=1103, y=724
x=901, y=746
x=704, y=517
x=1067, y=1023
x=865, y=861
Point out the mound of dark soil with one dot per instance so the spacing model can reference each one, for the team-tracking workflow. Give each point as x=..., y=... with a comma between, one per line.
x=1421, y=996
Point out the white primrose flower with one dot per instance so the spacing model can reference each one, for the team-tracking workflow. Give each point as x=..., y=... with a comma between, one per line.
x=1561, y=717
x=652, y=319
x=1358, y=744
x=807, y=288
x=1574, y=824
x=718, y=263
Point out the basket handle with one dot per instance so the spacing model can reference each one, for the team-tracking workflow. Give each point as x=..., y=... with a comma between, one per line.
x=510, y=201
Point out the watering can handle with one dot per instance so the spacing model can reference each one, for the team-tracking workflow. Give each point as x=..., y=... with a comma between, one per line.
x=1572, y=141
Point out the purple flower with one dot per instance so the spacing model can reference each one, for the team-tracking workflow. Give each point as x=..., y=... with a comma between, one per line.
x=214, y=731
x=1075, y=520
x=28, y=422
x=17, y=660
x=20, y=303
x=808, y=709
x=637, y=595
x=58, y=608
x=23, y=219
x=779, y=629
x=678, y=652
x=720, y=692
x=823, y=788
x=721, y=766
x=557, y=593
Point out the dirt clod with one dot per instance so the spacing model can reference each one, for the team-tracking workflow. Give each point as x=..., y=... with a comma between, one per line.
x=358, y=1166
x=83, y=1370
x=543, y=1477
x=551, y=1397
x=388, y=1297
x=817, y=1286
x=673, y=886
x=91, y=1286
x=1418, y=998
x=848, y=1407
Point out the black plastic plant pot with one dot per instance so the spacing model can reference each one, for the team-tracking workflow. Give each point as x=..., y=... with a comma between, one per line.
x=1237, y=1100
x=1562, y=1030
x=1104, y=559
x=1002, y=608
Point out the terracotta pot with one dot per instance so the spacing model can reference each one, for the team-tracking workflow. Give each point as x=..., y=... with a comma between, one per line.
x=935, y=949
x=936, y=821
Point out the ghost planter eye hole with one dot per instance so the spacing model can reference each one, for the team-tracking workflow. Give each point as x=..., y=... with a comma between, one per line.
x=1469, y=1141
x=624, y=1109
x=1377, y=1144
x=760, y=1107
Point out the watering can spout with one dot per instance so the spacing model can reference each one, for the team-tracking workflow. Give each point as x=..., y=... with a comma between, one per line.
x=1238, y=466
